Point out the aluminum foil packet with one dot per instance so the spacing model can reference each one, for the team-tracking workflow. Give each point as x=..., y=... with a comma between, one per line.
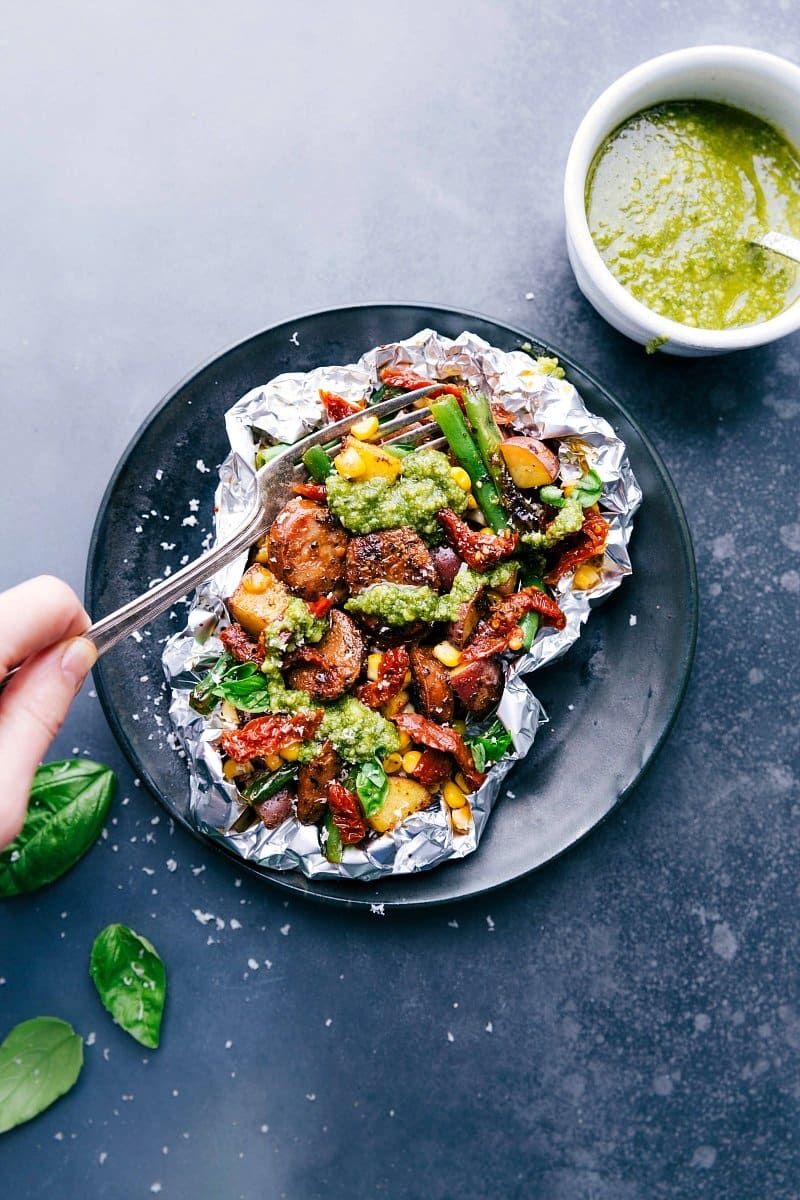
x=287, y=408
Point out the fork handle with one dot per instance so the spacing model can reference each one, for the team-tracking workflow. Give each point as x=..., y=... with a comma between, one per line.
x=109, y=630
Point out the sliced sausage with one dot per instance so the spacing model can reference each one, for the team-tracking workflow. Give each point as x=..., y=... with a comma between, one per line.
x=312, y=784
x=433, y=685
x=390, y=556
x=238, y=643
x=307, y=548
x=330, y=667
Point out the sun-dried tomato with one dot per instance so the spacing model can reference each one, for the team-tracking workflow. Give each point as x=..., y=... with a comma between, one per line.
x=481, y=551
x=337, y=407
x=240, y=645
x=591, y=539
x=395, y=663
x=403, y=377
x=346, y=813
x=270, y=733
x=311, y=491
x=492, y=634
x=441, y=737
x=433, y=767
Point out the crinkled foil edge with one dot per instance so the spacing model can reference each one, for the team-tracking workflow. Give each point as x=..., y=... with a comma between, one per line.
x=286, y=409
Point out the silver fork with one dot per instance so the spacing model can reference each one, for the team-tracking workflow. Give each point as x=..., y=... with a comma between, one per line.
x=274, y=482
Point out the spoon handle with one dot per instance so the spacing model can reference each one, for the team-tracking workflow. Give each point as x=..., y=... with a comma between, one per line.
x=781, y=243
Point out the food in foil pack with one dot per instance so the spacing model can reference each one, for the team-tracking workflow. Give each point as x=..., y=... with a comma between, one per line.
x=359, y=699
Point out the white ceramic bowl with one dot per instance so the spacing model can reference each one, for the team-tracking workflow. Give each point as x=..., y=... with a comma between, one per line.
x=762, y=84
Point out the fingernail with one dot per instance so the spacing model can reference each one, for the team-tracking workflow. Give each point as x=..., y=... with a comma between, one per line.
x=78, y=659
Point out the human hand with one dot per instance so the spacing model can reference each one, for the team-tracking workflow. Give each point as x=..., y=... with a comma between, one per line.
x=40, y=624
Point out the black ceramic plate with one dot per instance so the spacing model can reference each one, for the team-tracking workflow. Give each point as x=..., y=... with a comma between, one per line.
x=611, y=699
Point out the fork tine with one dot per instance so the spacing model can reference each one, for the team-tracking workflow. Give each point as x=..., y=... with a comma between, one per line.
x=332, y=433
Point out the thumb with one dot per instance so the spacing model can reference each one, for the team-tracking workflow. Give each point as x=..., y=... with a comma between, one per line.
x=32, y=710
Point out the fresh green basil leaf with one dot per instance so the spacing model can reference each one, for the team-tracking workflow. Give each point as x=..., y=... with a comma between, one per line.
x=241, y=684
x=490, y=745
x=39, y=1061
x=372, y=786
x=68, y=806
x=130, y=980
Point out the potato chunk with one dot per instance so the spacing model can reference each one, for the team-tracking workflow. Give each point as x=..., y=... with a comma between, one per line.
x=259, y=599
x=530, y=463
x=405, y=796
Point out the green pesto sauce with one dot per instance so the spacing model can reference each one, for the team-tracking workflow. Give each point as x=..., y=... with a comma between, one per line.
x=568, y=519
x=358, y=733
x=423, y=486
x=671, y=199
x=402, y=603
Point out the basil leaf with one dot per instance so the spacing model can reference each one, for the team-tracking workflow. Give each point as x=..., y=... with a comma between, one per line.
x=490, y=745
x=242, y=684
x=39, y=1061
x=372, y=786
x=131, y=981
x=68, y=806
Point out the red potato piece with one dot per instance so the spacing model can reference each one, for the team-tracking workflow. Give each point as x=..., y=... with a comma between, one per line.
x=259, y=599
x=530, y=463
x=447, y=564
x=478, y=685
x=329, y=668
x=461, y=630
x=307, y=548
x=275, y=809
x=434, y=692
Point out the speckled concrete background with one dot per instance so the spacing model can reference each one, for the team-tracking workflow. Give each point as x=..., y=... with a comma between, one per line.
x=623, y=1025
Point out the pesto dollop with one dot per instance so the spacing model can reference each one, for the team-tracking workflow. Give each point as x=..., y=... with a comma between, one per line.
x=568, y=519
x=423, y=486
x=402, y=603
x=671, y=199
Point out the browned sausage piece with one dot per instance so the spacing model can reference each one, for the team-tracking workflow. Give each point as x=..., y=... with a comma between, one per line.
x=478, y=685
x=433, y=686
x=312, y=784
x=307, y=549
x=330, y=667
x=390, y=556
x=243, y=648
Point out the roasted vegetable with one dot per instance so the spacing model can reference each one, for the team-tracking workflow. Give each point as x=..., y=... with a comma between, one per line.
x=478, y=685
x=259, y=599
x=530, y=463
x=403, y=797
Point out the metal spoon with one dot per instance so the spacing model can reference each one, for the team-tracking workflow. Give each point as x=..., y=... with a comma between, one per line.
x=781, y=243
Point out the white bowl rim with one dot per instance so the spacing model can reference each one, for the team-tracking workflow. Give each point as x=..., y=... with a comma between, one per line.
x=590, y=133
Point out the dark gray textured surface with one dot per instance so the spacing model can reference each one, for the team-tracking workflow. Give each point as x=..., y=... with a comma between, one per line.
x=621, y=1026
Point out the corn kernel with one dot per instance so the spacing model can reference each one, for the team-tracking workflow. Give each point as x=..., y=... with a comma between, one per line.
x=231, y=769
x=461, y=479
x=392, y=763
x=462, y=783
x=349, y=463
x=408, y=679
x=461, y=818
x=472, y=503
x=486, y=529
x=229, y=713
x=365, y=429
x=585, y=577
x=273, y=761
x=291, y=753
x=396, y=705
x=257, y=581
x=453, y=795
x=516, y=640
x=374, y=666
x=405, y=740
x=410, y=761
x=447, y=654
